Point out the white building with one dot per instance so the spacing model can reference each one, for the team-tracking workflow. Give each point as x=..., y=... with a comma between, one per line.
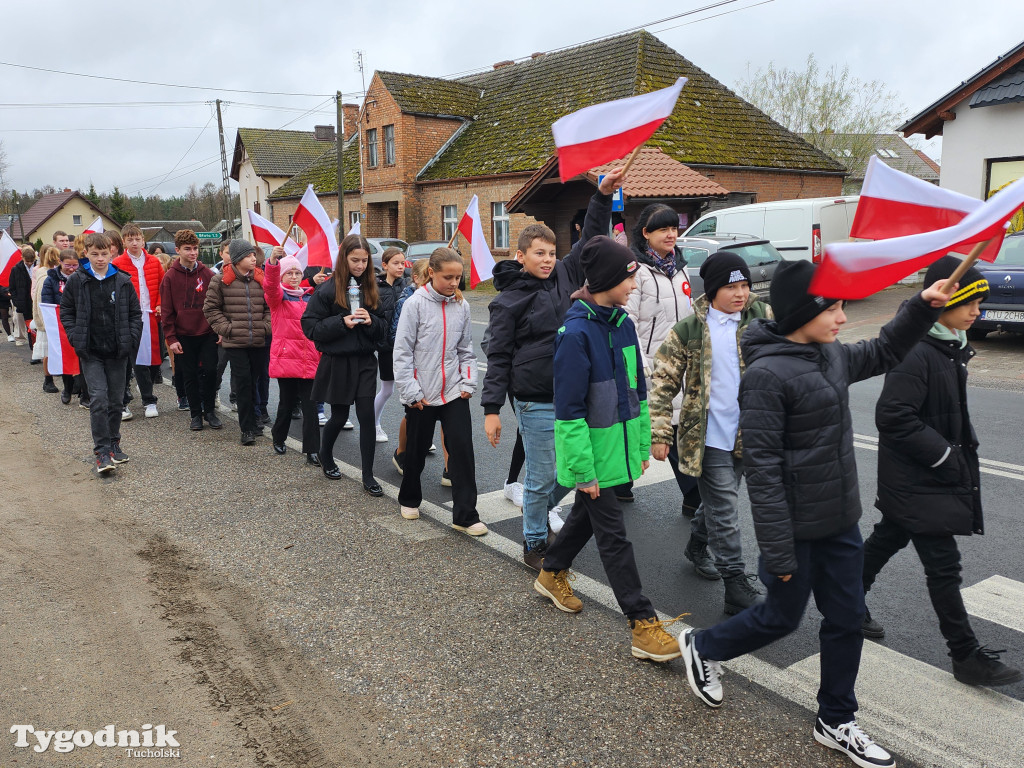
x=981, y=122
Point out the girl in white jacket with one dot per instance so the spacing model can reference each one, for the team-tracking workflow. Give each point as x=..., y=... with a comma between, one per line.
x=436, y=374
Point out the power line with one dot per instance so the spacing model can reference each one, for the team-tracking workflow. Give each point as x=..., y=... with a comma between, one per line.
x=155, y=186
x=715, y=16
x=86, y=128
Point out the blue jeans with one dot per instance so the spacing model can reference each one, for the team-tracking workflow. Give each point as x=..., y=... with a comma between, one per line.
x=716, y=522
x=541, y=490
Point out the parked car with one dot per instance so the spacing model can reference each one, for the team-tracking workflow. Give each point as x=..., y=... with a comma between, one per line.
x=799, y=229
x=1004, y=309
x=167, y=246
x=379, y=244
x=761, y=256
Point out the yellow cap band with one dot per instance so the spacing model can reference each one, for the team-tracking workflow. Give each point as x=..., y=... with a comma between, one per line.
x=966, y=293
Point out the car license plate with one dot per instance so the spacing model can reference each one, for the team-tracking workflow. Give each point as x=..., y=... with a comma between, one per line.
x=1003, y=316
x=762, y=286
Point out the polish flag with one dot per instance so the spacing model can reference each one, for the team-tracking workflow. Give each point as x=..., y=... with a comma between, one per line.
x=62, y=357
x=356, y=229
x=604, y=132
x=268, y=233
x=320, y=238
x=95, y=227
x=481, y=261
x=894, y=204
x=10, y=255
x=857, y=270
x=149, y=344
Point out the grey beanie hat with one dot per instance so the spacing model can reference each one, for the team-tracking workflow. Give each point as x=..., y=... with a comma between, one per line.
x=239, y=249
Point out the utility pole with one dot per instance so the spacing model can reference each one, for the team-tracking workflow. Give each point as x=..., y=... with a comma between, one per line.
x=228, y=219
x=339, y=137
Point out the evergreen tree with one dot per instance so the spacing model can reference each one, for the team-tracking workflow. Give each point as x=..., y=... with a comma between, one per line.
x=92, y=195
x=121, y=210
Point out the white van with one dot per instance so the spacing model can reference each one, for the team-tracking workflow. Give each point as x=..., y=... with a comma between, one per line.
x=797, y=228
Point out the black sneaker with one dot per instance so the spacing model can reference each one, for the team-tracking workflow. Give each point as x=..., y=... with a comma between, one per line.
x=446, y=481
x=265, y=419
x=534, y=556
x=740, y=593
x=703, y=674
x=983, y=667
x=398, y=459
x=196, y=424
x=104, y=464
x=50, y=388
x=183, y=404
x=213, y=421
x=85, y=402
x=65, y=397
x=296, y=413
x=116, y=454
x=857, y=745
x=697, y=553
x=247, y=438
x=871, y=628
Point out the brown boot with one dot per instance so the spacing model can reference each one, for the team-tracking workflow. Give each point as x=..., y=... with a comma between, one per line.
x=651, y=641
x=555, y=586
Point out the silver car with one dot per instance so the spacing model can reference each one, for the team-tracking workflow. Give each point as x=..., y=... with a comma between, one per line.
x=761, y=257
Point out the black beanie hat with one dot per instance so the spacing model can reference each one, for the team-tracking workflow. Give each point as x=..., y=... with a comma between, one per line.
x=606, y=263
x=239, y=249
x=721, y=269
x=792, y=302
x=973, y=284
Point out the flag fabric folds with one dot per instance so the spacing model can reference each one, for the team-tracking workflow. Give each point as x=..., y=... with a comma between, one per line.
x=62, y=358
x=268, y=233
x=95, y=227
x=149, y=344
x=481, y=261
x=10, y=254
x=857, y=270
x=320, y=239
x=356, y=229
x=604, y=132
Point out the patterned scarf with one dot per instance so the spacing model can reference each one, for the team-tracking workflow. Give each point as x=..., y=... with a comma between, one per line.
x=667, y=263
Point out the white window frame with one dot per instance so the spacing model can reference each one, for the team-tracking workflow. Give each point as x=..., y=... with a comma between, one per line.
x=499, y=226
x=353, y=218
x=389, y=144
x=449, y=221
x=371, y=147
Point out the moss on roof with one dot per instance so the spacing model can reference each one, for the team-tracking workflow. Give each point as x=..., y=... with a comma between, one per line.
x=431, y=95
x=279, y=153
x=322, y=173
x=711, y=125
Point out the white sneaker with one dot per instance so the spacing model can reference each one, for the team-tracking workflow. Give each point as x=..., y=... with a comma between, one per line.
x=348, y=425
x=514, y=493
x=857, y=745
x=432, y=449
x=322, y=418
x=10, y=338
x=410, y=513
x=126, y=414
x=151, y=411
x=382, y=436
x=703, y=674
x=476, y=529
x=555, y=521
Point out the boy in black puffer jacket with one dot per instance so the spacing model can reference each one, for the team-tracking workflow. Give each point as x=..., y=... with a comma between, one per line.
x=798, y=458
x=929, y=475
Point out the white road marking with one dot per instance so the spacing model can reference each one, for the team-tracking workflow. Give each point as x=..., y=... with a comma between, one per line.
x=988, y=466
x=997, y=599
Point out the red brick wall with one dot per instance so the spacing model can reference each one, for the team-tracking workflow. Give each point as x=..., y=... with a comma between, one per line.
x=771, y=185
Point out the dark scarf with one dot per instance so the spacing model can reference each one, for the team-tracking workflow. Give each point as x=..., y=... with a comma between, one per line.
x=667, y=264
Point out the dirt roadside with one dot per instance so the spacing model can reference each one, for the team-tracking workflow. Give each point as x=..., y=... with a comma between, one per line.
x=102, y=625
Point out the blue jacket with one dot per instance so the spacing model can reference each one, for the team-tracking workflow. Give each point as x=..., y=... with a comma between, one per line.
x=602, y=427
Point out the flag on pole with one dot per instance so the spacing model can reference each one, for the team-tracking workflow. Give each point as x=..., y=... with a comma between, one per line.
x=604, y=132
x=481, y=261
x=268, y=233
x=320, y=239
x=857, y=270
x=356, y=229
x=894, y=204
x=149, y=344
x=62, y=358
x=95, y=227
x=10, y=254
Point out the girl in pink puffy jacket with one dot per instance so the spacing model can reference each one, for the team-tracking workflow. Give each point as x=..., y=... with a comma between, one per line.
x=293, y=357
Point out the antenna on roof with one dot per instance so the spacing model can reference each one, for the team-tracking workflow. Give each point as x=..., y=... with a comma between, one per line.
x=358, y=65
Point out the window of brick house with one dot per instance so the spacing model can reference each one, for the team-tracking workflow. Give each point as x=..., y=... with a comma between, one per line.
x=371, y=147
x=353, y=218
x=449, y=221
x=499, y=225
x=389, y=145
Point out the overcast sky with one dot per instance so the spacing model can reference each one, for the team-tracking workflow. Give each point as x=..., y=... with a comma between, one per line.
x=920, y=49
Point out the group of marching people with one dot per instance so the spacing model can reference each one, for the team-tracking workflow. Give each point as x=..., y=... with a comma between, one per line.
x=607, y=362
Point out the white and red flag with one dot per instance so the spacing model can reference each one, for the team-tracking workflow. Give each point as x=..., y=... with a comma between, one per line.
x=268, y=233
x=600, y=133
x=149, y=344
x=857, y=270
x=481, y=262
x=95, y=227
x=320, y=239
x=356, y=229
x=62, y=357
x=10, y=254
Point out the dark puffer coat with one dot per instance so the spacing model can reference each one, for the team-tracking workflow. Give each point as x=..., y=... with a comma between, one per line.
x=798, y=453
x=388, y=296
x=236, y=309
x=928, y=470
x=323, y=323
x=76, y=310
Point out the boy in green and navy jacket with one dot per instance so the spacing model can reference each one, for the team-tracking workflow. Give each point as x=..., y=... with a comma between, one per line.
x=602, y=439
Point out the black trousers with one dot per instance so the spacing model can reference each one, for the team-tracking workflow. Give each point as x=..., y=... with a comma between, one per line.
x=291, y=391
x=261, y=396
x=941, y=560
x=197, y=364
x=245, y=367
x=602, y=519
x=458, y=438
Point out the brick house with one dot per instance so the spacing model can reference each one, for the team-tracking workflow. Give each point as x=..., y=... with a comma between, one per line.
x=425, y=146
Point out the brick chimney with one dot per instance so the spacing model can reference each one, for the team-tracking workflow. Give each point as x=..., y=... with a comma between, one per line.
x=323, y=132
x=350, y=115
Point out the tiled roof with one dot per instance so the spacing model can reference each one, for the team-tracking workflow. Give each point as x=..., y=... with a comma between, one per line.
x=865, y=144
x=276, y=153
x=655, y=174
x=43, y=209
x=1005, y=89
x=931, y=163
x=711, y=125
x=431, y=95
x=322, y=173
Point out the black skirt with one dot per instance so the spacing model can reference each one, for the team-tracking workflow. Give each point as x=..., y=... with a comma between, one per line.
x=385, y=358
x=341, y=379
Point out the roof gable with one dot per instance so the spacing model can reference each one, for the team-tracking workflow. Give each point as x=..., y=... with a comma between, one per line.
x=430, y=95
x=275, y=153
x=711, y=125
x=322, y=173
x=45, y=207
